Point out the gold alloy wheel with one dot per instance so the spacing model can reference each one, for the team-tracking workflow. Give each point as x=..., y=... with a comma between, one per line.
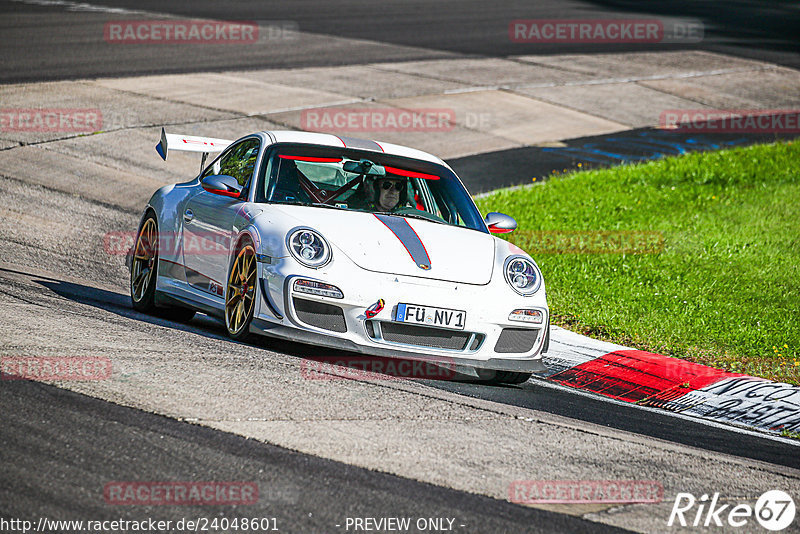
x=144, y=260
x=241, y=290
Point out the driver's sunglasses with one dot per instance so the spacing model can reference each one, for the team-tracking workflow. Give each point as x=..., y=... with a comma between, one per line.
x=389, y=184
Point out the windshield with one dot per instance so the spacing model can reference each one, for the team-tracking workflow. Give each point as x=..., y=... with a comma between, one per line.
x=371, y=182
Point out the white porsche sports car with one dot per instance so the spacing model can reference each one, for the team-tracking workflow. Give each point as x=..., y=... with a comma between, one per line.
x=345, y=243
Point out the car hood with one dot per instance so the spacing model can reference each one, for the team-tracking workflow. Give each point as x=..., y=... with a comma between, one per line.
x=403, y=246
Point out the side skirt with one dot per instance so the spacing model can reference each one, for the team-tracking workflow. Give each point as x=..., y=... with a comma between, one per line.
x=170, y=292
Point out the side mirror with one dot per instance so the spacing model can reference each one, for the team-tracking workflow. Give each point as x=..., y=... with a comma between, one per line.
x=500, y=223
x=222, y=184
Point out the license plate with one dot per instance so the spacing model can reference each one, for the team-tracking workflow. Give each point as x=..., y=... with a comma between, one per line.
x=430, y=316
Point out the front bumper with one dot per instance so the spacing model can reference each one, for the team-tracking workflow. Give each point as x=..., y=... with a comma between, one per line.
x=271, y=329
x=482, y=344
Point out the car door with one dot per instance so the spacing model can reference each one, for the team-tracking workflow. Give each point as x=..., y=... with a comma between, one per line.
x=208, y=219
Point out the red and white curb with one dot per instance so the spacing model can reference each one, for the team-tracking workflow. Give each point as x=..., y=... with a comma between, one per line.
x=654, y=380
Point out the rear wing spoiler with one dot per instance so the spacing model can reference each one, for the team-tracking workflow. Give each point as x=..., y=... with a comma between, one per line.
x=190, y=143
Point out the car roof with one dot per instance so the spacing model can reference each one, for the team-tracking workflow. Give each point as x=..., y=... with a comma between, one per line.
x=290, y=136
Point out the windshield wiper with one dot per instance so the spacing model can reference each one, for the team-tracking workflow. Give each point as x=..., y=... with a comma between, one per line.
x=323, y=205
x=299, y=203
x=413, y=216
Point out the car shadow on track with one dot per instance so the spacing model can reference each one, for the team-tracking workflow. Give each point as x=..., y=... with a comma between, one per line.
x=120, y=304
x=318, y=362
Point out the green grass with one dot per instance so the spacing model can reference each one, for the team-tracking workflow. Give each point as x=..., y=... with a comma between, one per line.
x=722, y=288
x=790, y=434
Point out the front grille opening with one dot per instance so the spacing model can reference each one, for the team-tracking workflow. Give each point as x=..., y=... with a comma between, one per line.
x=320, y=314
x=371, y=329
x=422, y=336
x=477, y=342
x=516, y=340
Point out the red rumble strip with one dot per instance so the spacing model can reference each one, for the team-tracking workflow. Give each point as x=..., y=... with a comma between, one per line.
x=635, y=375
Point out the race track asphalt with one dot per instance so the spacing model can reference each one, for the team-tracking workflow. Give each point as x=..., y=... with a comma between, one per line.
x=45, y=40
x=59, y=449
x=367, y=450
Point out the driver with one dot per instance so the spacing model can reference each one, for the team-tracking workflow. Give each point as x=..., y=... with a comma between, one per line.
x=382, y=194
x=389, y=193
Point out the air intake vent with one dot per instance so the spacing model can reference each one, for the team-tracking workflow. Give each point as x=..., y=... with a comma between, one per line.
x=320, y=314
x=477, y=342
x=516, y=340
x=371, y=329
x=422, y=336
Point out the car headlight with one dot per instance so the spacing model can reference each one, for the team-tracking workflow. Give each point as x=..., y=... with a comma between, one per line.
x=309, y=248
x=522, y=275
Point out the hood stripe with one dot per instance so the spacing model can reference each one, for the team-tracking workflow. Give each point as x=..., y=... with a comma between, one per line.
x=409, y=238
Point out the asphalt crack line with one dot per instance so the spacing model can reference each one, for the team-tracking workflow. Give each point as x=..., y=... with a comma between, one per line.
x=107, y=205
x=673, y=76
x=596, y=81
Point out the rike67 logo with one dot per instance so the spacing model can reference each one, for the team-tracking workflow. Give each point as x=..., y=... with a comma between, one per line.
x=774, y=510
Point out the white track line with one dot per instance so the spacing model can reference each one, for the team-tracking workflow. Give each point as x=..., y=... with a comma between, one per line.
x=89, y=8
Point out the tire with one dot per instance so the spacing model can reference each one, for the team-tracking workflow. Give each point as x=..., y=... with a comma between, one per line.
x=144, y=266
x=144, y=271
x=241, y=291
